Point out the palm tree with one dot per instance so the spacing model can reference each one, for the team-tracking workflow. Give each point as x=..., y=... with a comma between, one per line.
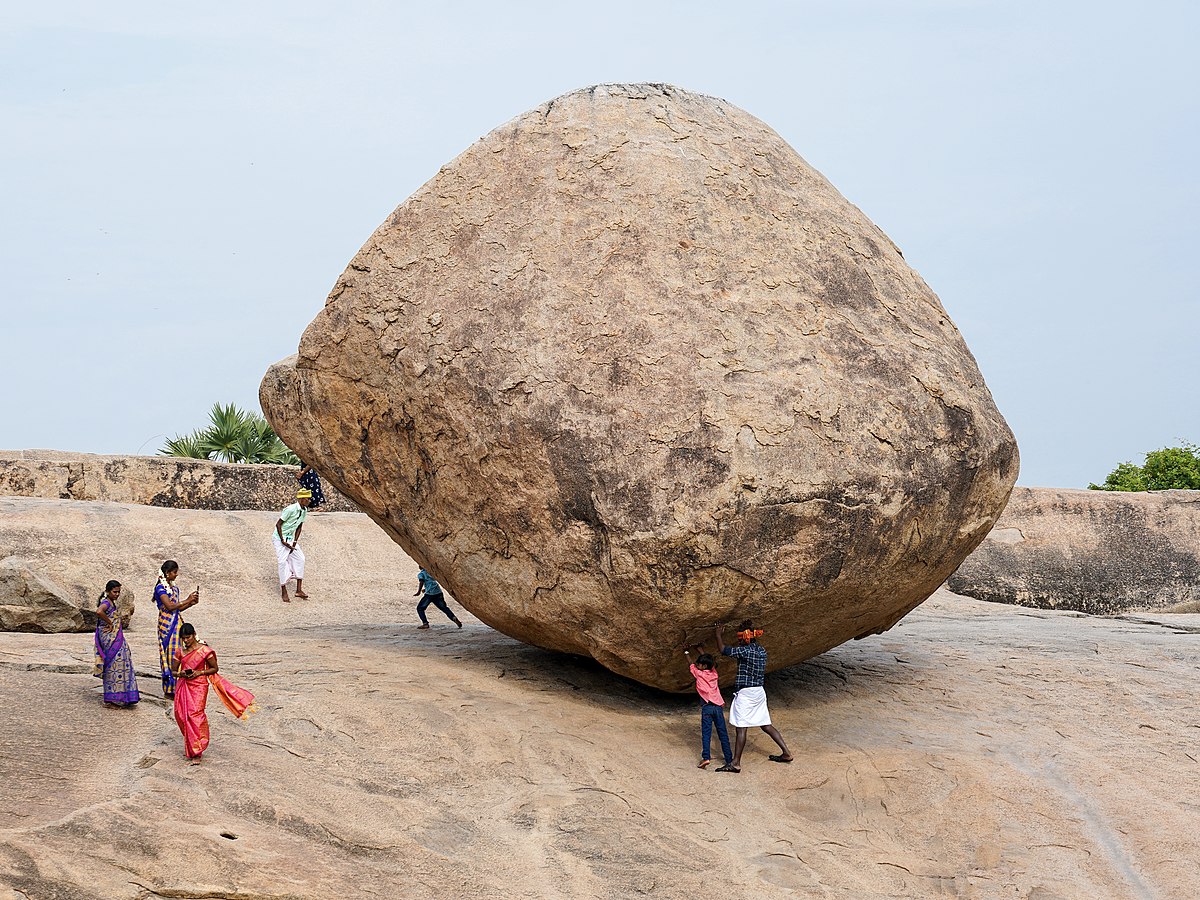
x=229, y=426
x=183, y=445
x=233, y=435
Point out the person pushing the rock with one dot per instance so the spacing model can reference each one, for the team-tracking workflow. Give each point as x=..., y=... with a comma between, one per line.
x=749, y=707
x=712, y=705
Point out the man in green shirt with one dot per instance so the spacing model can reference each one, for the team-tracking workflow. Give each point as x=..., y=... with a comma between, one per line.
x=286, y=537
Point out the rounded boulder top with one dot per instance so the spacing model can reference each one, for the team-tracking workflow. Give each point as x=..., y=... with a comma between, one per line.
x=628, y=367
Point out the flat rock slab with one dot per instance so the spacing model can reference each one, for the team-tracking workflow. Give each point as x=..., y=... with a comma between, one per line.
x=628, y=367
x=978, y=750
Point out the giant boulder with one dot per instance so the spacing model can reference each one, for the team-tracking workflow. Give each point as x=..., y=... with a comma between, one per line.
x=629, y=366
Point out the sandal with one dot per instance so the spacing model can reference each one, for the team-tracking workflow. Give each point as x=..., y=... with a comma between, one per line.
x=779, y=757
x=730, y=768
x=422, y=627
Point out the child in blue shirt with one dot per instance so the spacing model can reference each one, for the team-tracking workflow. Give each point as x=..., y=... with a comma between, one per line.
x=427, y=585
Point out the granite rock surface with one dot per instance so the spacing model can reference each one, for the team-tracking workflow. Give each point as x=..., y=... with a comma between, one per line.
x=32, y=602
x=628, y=367
x=1089, y=551
x=152, y=481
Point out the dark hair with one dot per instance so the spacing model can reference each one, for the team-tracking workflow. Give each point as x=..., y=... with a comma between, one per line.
x=186, y=628
x=706, y=661
x=108, y=587
x=170, y=566
x=746, y=625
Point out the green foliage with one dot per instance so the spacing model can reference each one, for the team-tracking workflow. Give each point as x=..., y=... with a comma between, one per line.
x=1171, y=468
x=184, y=445
x=233, y=435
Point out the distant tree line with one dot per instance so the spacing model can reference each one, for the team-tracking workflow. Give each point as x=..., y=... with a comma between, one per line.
x=232, y=435
x=1171, y=468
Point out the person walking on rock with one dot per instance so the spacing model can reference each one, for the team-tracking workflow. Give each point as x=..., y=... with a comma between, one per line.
x=195, y=665
x=433, y=594
x=712, y=706
x=286, y=539
x=749, y=707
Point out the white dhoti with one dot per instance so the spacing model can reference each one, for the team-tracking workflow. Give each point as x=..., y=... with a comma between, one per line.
x=291, y=562
x=749, y=708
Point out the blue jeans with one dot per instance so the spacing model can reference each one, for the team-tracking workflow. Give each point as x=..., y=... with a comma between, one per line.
x=438, y=600
x=710, y=715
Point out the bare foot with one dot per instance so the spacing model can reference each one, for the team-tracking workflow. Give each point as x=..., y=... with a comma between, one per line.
x=704, y=764
x=286, y=598
x=300, y=595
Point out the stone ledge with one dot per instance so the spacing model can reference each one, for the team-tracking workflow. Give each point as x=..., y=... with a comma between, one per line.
x=165, y=481
x=1100, y=552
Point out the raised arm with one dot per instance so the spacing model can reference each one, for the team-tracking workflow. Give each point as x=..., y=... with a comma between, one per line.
x=721, y=638
x=171, y=606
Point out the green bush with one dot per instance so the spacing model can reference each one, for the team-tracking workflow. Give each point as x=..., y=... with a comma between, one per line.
x=233, y=435
x=1171, y=468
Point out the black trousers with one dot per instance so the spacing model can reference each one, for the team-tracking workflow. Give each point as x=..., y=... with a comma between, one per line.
x=438, y=600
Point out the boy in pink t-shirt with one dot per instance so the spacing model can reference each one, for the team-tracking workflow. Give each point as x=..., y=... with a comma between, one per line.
x=712, y=706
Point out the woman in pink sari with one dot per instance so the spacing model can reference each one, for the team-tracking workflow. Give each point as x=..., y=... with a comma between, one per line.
x=195, y=665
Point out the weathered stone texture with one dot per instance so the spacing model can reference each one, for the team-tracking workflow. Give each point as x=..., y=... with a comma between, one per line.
x=31, y=602
x=1090, y=551
x=627, y=367
x=152, y=481
x=31, y=599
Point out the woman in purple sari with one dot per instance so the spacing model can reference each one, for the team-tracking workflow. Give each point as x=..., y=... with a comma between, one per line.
x=113, y=662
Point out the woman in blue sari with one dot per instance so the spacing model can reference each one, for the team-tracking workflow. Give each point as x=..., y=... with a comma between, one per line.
x=166, y=596
x=113, y=662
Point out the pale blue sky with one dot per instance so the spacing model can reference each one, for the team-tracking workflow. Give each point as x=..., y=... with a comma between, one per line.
x=181, y=187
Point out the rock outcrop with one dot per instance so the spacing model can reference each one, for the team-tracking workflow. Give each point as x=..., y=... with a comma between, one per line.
x=32, y=602
x=628, y=367
x=152, y=481
x=77, y=546
x=1089, y=551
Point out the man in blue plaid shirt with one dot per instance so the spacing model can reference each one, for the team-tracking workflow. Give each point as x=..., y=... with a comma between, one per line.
x=749, y=707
